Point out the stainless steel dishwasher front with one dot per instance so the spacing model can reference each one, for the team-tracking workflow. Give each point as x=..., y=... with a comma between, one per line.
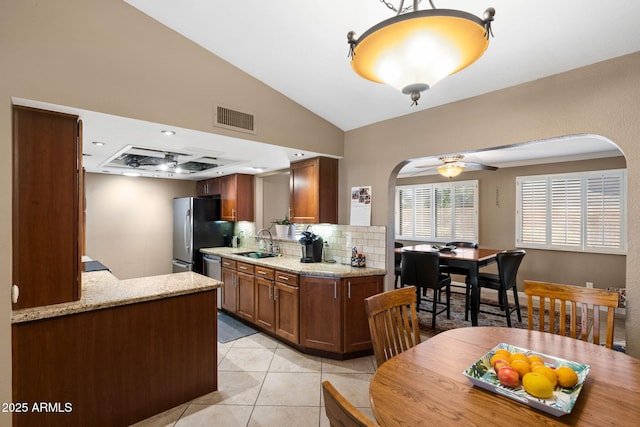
x=213, y=269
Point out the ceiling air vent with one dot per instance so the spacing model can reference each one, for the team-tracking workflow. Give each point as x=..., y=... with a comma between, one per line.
x=235, y=120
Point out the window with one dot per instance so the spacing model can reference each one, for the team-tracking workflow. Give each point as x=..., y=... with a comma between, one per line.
x=582, y=212
x=439, y=212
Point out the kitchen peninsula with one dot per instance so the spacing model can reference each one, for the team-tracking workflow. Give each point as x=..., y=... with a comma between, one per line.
x=128, y=349
x=318, y=308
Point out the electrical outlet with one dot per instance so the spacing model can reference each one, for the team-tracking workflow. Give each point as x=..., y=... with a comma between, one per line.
x=589, y=284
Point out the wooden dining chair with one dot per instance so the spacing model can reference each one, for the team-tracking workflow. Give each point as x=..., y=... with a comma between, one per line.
x=340, y=411
x=393, y=322
x=590, y=300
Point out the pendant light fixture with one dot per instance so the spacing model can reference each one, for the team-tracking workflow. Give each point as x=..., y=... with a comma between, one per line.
x=417, y=48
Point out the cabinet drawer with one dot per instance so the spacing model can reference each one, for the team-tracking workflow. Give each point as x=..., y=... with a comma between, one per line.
x=244, y=267
x=264, y=273
x=288, y=278
x=228, y=263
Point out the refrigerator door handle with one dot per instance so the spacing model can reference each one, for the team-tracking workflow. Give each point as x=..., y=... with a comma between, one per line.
x=187, y=230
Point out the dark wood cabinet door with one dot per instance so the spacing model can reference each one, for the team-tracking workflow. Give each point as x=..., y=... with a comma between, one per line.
x=229, y=290
x=265, y=306
x=357, y=336
x=314, y=191
x=46, y=207
x=246, y=302
x=208, y=187
x=321, y=313
x=287, y=312
x=236, y=196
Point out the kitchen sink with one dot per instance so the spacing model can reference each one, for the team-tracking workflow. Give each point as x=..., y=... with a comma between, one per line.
x=255, y=254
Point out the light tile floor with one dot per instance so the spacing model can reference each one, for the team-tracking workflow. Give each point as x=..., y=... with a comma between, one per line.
x=263, y=382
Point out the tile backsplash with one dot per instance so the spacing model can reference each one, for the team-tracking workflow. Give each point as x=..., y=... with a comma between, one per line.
x=339, y=240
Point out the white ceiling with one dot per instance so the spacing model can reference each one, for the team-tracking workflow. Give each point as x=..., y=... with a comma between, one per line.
x=299, y=48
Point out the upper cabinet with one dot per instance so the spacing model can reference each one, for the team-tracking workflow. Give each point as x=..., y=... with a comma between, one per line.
x=236, y=195
x=46, y=207
x=314, y=191
x=208, y=187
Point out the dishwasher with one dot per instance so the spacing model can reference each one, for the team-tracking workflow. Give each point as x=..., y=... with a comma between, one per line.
x=213, y=269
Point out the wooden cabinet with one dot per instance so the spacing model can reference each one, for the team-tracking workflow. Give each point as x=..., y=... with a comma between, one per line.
x=47, y=167
x=245, y=291
x=277, y=303
x=208, y=187
x=118, y=365
x=287, y=312
x=321, y=313
x=236, y=195
x=314, y=191
x=356, y=334
x=332, y=314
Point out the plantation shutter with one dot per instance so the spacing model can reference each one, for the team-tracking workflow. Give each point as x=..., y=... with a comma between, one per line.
x=533, y=211
x=566, y=212
x=465, y=212
x=604, y=211
x=443, y=211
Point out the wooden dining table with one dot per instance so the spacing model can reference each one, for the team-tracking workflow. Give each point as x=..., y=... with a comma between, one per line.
x=425, y=385
x=468, y=258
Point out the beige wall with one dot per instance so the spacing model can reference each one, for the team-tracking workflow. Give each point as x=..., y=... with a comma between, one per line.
x=129, y=222
x=497, y=226
x=601, y=99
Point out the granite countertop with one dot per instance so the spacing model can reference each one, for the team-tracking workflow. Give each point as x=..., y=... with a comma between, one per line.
x=101, y=289
x=293, y=265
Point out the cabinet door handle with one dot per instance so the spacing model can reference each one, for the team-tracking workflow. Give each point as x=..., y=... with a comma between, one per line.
x=233, y=213
x=335, y=290
x=270, y=292
x=349, y=289
x=243, y=268
x=262, y=272
x=283, y=278
x=275, y=293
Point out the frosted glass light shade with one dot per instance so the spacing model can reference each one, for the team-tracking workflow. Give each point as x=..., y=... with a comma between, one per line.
x=415, y=50
x=450, y=170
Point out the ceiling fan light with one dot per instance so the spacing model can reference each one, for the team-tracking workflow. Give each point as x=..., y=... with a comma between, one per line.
x=450, y=170
x=417, y=49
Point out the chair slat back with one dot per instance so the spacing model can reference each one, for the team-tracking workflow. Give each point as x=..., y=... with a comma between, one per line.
x=589, y=299
x=340, y=411
x=393, y=322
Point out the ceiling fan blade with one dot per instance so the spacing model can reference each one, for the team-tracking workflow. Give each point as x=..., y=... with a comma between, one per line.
x=473, y=165
x=428, y=166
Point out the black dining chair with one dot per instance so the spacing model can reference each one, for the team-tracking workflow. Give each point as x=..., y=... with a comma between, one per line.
x=508, y=265
x=448, y=270
x=422, y=270
x=398, y=261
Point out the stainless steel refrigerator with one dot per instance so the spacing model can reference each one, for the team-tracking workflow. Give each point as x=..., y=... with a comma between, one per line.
x=196, y=225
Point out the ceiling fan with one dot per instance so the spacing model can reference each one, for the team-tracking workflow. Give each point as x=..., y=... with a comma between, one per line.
x=453, y=166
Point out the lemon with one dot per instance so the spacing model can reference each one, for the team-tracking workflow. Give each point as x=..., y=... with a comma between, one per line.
x=567, y=377
x=537, y=385
x=547, y=372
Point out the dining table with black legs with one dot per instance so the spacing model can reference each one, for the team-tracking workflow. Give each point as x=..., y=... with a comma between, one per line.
x=470, y=259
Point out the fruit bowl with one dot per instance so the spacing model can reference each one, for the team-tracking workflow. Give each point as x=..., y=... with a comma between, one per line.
x=482, y=374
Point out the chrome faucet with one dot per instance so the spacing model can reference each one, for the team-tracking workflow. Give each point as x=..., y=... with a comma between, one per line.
x=261, y=240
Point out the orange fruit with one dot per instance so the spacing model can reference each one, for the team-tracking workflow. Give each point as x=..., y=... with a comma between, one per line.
x=537, y=385
x=519, y=356
x=521, y=366
x=504, y=352
x=498, y=356
x=567, y=377
x=547, y=372
x=535, y=358
x=534, y=364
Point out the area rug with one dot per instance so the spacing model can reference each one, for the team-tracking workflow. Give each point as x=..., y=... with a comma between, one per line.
x=457, y=317
x=230, y=329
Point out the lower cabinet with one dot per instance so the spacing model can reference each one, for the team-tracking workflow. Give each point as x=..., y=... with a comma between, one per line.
x=332, y=313
x=321, y=314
